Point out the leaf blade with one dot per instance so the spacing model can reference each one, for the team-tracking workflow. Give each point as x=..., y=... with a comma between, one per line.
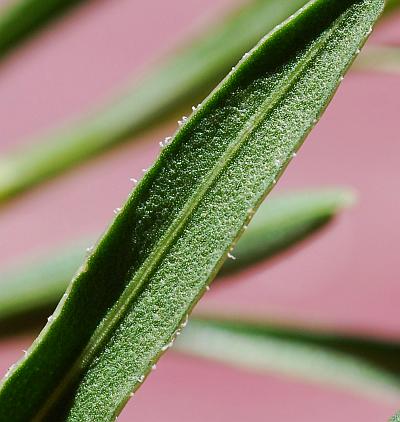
x=155, y=261
x=181, y=79
x=283, y=221
x=363, y=365
x=21, y=18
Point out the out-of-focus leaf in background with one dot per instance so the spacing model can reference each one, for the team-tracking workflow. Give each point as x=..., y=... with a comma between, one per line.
x=19, y=19
x=363, y=365
x=171, y=85
x=383, y=58
x=165, y=90
x=391, y=6
x=31, y=289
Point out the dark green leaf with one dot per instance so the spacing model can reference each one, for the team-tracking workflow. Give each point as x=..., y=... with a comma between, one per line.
x=149, y=269
x=21, y=18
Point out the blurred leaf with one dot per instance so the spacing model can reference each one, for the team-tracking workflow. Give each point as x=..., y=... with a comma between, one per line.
x=382, y=58
x=34, y=286
x=392, y=5
x=283, y=221
x=363, y=365
x=20, y=18
x=134, y=292
x=181, y=79
x=159, y=94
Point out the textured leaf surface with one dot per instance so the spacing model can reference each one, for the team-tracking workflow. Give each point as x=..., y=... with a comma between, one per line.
x=149, y=269
x=36, y=285
x=363, y=365
x=21, y=18
x=177, y=82
x=395, y=418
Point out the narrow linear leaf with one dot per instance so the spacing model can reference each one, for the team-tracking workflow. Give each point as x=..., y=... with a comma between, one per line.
x=282, y=222
x=134, y=292
x=165, y=90
x=36, y=285
x=20, y=18
x=382, y=58
x=192, y=71
x=363, y=365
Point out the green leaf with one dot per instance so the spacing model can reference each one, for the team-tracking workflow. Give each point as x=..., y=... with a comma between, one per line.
x=31, y=287
x=379, y=58
x=36, y=285
x=284, y=220
x=391, y=6
x=133, y=293
x=364, y=365
x=182, y=78
x=21, y=18
x=165, y=90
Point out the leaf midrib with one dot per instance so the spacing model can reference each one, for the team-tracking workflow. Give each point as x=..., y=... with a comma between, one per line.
x=119, y=309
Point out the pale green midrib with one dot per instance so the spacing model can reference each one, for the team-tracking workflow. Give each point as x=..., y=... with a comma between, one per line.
x=119, y=309
x=159, y=250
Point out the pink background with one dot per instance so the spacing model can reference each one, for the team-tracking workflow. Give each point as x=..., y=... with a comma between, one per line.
x=347, y=277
